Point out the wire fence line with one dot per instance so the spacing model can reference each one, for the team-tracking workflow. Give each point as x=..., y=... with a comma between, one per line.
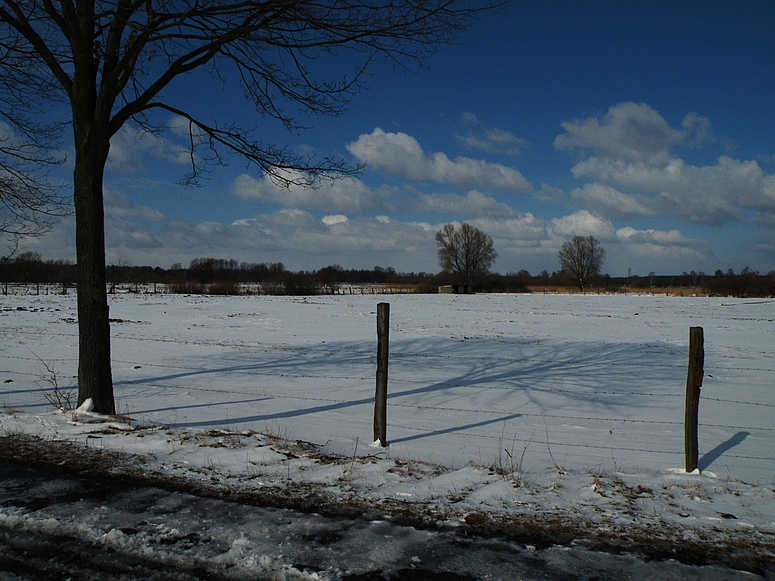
x=543, y=392
x=676, y=453
x=400, y=380
x=604, y=421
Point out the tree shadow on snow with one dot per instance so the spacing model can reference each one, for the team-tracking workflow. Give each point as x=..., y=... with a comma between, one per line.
x=489, y=374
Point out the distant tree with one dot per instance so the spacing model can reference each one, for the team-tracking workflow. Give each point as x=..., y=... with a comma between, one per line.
x=330, y=277
x=582, y=257
x=465, y=251
x=112, y=62
x=29, y=267
x=29, y=257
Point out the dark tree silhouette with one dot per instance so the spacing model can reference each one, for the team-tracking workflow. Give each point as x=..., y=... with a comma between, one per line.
x=582, y=257
x=110, y=61
x=465, y=251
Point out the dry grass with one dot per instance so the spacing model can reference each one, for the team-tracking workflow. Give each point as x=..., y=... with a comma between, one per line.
x=574, y=290
x=555, y=290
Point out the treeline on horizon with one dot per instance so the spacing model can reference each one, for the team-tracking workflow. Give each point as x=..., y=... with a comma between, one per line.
x=228, y=276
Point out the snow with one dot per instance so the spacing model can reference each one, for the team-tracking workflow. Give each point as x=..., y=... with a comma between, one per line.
x=567, y=406
x=178, y=532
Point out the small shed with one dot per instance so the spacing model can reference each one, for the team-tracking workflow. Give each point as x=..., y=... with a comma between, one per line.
x=456, y=289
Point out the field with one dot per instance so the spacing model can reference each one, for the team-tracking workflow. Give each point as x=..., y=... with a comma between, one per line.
x=562, y=404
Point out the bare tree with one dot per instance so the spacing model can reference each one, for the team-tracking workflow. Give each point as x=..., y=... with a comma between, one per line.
x=465, y=251
x=30, y=203
x=582, y=257
x=111, y=60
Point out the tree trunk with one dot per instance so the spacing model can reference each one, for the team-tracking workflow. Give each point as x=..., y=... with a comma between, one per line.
x=95, y=378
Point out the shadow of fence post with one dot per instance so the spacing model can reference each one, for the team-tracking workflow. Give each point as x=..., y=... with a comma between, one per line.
x=693, y=383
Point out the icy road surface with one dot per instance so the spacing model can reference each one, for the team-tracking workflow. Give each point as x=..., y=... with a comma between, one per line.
x=59, y=527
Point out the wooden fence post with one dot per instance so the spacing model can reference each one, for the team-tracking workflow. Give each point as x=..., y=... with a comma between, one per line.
x=380, y=399
x=693, y=383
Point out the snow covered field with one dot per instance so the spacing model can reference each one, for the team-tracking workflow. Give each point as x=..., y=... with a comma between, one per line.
x=498, y=404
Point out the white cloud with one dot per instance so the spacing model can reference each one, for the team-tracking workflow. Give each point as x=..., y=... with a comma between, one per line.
x=583, y=223
x=612, y=203
x=400, y=154
x=185, y=128
x=301, y=241
x=550, y=193
x=474, y=204
x=524, y=231
x=130, y=146
x=630, y=150
x=658, y=237
x=697, y=129
x=337, y=195
x=493, y=139
x=335, y=219
x=127, y=238
x=118, y=206
x=662, y=251
x=711, y=194
x=629, y=132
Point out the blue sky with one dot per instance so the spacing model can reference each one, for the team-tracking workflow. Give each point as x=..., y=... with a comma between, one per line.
x=650, y=125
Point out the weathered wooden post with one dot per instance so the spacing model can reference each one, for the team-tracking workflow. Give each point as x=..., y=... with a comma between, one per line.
x=693, y=383
x=380, y=399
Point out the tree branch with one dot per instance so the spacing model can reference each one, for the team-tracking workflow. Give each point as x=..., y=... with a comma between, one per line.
x=282, y=165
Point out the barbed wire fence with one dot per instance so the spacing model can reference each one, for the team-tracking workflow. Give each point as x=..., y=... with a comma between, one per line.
x=604, y=421
x=404, y=410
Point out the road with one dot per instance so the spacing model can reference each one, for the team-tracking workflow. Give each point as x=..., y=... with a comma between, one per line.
x=60, y=527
